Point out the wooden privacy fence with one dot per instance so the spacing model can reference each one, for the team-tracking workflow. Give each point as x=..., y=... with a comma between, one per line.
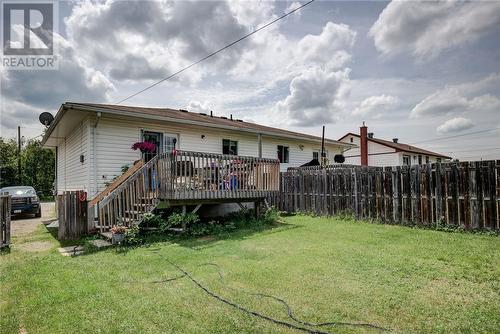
x=5, y=209
x=72, y=215
x=461, y=194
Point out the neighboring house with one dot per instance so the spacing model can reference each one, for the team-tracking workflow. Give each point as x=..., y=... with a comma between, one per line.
x=371, y=151
x=93, y=142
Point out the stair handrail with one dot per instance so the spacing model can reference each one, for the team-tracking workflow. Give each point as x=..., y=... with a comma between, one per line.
x=131, y=178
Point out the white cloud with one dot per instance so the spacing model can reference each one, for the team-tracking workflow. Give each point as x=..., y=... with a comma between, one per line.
x=455, y=125
x=292, y=6
x=319, y=88
x=329, y=47
x=459, y=99
x=25, y=94
x=443, y=102
x=377, y=104
x=151, y=39
x=427, y=28
x=315, y=96
x=197, y=106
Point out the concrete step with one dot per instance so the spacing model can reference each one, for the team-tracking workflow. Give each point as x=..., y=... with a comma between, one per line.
x=100, y=244
x=71, y=250
x=107, y=235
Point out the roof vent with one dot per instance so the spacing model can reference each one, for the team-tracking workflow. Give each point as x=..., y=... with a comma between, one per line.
x=211, y=113
x=203, y=114
x=223, y=117
x=239, y=120
x=231, y=117
x=395, y=140
x=183, y=110
x=370, y=134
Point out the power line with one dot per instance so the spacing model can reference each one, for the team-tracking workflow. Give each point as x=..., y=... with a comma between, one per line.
x=456, y=136
x=215, y=52
x=482, y=149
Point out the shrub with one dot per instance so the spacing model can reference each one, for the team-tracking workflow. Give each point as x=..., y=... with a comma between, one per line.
x=271, y=216
x=178, y=219
x=132, y=236
x=152, y=220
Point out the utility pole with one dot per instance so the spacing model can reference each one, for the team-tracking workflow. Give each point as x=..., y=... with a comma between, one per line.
x=19, y=155
x=323, y=153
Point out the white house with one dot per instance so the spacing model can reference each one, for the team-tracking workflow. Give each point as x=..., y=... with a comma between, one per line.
x=93, y=141
x=371, y=151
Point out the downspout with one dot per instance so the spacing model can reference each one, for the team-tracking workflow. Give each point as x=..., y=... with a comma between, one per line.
x=260, y=145
x=94, y=146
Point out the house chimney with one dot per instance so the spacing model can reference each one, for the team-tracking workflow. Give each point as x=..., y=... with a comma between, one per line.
x=363, y=136
x=395, y=140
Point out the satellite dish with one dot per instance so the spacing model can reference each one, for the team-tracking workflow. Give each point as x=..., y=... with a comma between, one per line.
x=46, y=118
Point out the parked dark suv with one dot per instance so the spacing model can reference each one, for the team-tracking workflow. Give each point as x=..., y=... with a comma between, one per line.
x=24, y=200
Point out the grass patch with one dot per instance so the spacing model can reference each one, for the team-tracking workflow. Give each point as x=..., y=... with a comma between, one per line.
x=327, y=269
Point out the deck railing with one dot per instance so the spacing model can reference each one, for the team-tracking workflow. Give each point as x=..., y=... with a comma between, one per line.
x=188, y=176
x=196, y=175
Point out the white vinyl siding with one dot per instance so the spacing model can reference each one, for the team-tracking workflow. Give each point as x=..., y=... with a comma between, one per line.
x=115, y=136
x=72, y=174
x=378, y=155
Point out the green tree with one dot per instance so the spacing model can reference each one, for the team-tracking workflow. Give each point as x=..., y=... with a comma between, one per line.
x=38, y=167
x=8, y=162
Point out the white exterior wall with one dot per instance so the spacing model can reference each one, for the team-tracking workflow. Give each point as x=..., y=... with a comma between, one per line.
x=71, y=173
x=114, y=138
x=379, y=155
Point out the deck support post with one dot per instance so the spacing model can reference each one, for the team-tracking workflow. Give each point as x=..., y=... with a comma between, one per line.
x=242, y=207
x=184, y=221
x=257, y=209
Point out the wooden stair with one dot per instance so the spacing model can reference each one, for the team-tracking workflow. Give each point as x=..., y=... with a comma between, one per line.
x=129, y=198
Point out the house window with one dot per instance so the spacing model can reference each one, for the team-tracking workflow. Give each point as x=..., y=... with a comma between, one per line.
x=406, y=160
x=229, y=147
x=438, y=159
x=427, y=160
x=419, y=159
x=283, y=154
x=352, y=139
x=315, y=155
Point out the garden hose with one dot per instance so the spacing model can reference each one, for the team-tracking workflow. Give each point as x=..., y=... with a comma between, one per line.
x=300, y=323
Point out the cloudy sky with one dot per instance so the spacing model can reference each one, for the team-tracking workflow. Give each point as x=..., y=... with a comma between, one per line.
x=421, y=72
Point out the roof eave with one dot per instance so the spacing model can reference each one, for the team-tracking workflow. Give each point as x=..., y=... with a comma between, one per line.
x=76, y=106
x=60, y=113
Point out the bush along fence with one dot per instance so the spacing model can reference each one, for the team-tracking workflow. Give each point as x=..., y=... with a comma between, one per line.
x=5, y=209
x=464, y=194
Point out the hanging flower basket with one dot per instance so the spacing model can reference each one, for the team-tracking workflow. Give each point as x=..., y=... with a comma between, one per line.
x=144, y=147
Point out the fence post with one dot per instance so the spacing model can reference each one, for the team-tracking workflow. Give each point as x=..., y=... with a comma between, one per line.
x=5, y=210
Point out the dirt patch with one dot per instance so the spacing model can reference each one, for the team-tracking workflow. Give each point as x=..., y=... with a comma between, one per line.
x=35, y=246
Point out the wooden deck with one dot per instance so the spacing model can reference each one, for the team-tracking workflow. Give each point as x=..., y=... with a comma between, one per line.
x=183, y=178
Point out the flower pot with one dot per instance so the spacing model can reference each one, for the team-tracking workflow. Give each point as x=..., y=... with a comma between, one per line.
x=117, y=238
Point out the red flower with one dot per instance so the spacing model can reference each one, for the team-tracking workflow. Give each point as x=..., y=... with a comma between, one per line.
x=144, y=146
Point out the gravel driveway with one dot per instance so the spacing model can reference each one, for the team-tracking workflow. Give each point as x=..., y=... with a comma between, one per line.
x=24, y=224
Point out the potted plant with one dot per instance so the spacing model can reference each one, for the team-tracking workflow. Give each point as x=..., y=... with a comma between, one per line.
x=144, y=147
x=118, y=234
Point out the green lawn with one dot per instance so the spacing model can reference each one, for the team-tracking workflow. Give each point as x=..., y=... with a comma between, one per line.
x=407, y=280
